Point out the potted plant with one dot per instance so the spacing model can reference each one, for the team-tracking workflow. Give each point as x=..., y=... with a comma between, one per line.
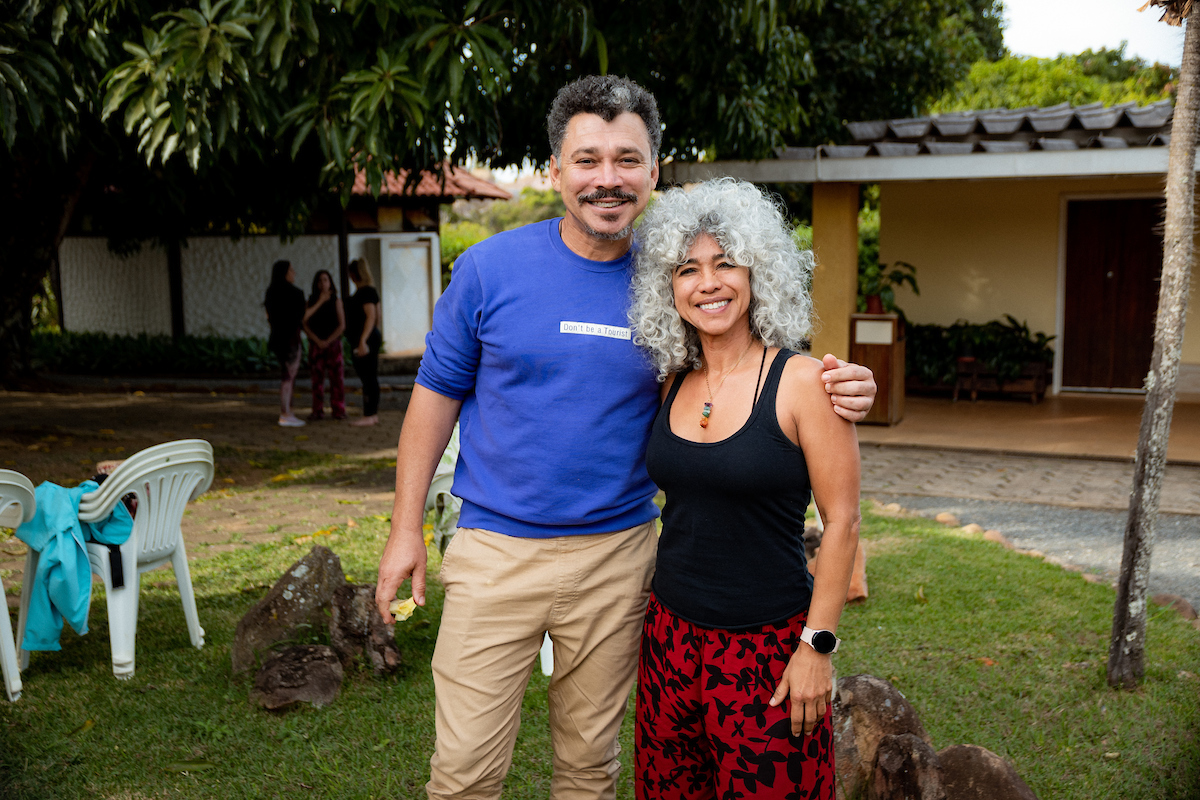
x=877, y=284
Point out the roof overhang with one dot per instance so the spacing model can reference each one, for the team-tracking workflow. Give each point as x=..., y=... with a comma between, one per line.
x=1088, y=163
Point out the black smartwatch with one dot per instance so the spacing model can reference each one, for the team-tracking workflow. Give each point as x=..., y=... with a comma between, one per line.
x=824, y=642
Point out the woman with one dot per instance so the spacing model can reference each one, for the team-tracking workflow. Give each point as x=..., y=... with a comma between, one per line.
x=324, y=321
x=735, y=674
x=285, y=314
x=362, y=331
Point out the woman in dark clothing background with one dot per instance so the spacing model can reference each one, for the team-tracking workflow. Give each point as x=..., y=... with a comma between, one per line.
x=285, y=313
x=362, y=331
x=324, y=322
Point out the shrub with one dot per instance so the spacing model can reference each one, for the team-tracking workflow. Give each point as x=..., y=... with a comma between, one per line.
x=1003, y=346
x=104, y=354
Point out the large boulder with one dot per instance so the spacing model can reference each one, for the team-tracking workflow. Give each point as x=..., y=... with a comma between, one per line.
x=970, y=772
x=355, y=627
x=906, y=768
x=304, y=673
x=865, y=709
x=294, y=606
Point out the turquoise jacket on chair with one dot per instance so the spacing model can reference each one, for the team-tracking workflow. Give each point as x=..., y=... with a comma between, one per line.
x=62, y=586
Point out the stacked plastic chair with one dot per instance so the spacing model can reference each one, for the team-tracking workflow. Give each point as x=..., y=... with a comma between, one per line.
x=164, y=478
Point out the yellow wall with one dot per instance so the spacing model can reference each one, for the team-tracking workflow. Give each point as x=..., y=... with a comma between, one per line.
x=984, y=249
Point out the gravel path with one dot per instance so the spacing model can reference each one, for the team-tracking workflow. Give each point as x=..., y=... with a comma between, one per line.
x=1087, y=538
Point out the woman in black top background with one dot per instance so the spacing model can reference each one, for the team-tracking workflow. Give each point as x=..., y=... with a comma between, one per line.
x=735, y=674
x=324, y=322
x=362, y=331
x=284, y=304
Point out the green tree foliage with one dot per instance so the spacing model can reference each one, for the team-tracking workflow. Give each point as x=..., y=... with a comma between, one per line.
x=236, y=115
x=1104, y=75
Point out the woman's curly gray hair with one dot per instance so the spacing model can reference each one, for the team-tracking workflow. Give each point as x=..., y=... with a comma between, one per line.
x=751, y=229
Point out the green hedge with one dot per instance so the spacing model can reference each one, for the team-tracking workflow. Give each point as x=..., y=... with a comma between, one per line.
x=102, y=354
x=1005, y=346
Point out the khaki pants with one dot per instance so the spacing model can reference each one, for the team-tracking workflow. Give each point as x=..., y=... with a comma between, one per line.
x=502, y=594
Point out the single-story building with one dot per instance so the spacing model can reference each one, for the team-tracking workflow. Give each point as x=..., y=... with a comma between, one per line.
x=214, y=285
x=1052, y=215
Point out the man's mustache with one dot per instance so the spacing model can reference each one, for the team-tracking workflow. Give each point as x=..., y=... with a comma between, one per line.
x=607, y=194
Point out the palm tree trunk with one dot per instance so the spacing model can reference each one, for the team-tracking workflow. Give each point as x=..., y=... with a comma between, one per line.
x=1126, y=650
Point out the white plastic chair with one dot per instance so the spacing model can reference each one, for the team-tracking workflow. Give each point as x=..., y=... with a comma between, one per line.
x=164, y=478
x=16, y=507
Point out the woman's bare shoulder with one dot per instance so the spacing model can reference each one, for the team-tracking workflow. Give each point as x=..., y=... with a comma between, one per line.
x=666, y=386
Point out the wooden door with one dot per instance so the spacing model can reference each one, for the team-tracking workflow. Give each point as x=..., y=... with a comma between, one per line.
x=1114, y=257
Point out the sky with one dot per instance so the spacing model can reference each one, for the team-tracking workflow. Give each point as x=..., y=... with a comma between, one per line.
x=1046, y=28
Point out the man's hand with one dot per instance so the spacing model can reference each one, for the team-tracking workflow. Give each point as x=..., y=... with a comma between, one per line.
x=403, y=557
x=851, y=388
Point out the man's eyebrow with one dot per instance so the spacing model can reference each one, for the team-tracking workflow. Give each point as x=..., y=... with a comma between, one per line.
x=591, y=151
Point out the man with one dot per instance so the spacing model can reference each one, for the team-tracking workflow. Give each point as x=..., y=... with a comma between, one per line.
x=530, y=351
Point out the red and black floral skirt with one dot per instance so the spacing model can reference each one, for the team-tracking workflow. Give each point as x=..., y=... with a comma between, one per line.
x=704, y=726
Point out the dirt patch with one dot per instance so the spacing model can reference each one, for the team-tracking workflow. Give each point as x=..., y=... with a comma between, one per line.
x=270, y=483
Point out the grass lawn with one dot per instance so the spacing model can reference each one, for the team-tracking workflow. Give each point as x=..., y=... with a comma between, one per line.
x=991, y=647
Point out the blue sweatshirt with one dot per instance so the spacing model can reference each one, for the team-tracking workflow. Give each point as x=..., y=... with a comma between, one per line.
x=557, y=400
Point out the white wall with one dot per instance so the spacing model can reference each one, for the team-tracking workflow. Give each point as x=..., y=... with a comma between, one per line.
x=224, y=280
x=106, y=293
x=223, y=283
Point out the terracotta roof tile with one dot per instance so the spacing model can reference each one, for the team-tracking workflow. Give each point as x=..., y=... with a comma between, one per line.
x=458, y=183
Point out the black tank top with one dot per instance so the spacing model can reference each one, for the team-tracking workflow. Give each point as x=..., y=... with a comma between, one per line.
x=324, y=320
x=731, y=553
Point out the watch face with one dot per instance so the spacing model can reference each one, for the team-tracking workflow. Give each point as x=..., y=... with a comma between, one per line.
x=824, y=642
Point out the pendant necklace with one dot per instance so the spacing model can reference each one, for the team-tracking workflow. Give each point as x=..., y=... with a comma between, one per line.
x=712, y=396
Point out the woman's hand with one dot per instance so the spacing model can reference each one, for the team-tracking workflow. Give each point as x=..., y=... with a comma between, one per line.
x=362, y=350
x=808, y=684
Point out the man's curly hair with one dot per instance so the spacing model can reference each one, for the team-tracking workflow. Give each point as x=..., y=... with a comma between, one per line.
x=606, y=96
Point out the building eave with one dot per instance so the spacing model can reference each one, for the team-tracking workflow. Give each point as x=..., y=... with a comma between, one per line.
x=1086, y=163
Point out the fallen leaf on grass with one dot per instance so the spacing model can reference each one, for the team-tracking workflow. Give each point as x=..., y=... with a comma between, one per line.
x=189, y=766
x=84, y=728
x=987, y=662
x=402, y=609
x=228, y=480
x=279, y=478
x=1111, y=756
x=383, y=517
x=139, y=393
x=351, y=523
x=350, y=502
x=921, y=598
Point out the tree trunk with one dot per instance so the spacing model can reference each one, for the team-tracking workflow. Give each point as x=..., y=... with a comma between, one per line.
x=1126, y=651
x=43, y=194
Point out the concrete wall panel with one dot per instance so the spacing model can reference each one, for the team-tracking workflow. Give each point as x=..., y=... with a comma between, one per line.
x=106, y=293
x=224, y=280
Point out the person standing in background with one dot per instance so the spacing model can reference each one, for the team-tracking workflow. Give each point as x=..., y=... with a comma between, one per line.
x=362, y=331
x=284, y=304
x=324, y=322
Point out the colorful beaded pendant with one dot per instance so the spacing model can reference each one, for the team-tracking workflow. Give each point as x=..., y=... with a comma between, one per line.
x=704, y=415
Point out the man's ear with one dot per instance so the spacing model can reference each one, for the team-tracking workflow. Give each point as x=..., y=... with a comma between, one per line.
x=555, y=174
x=654, y=174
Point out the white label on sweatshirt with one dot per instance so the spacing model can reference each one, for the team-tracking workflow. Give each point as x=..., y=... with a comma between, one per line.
x=594, y=329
